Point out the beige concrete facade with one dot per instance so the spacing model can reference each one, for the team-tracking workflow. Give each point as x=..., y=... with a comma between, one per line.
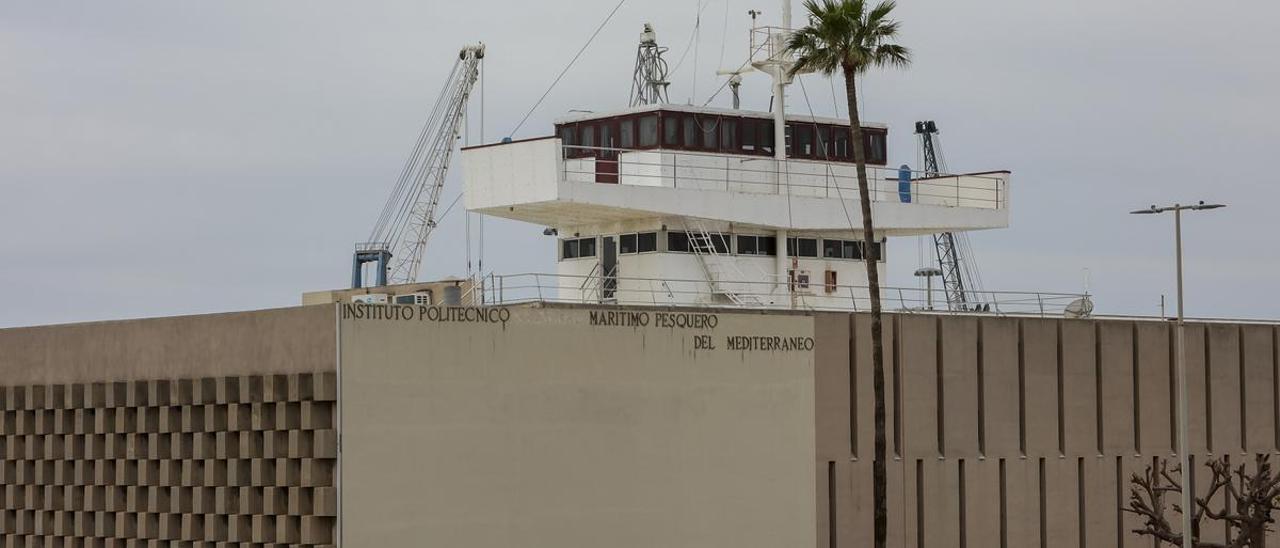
x=1023, y=432
x=573, y=426
x=200, y=431
x=432, y=291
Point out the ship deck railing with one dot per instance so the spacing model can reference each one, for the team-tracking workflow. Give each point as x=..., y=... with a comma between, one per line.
x=766, y=175
x=525, y=288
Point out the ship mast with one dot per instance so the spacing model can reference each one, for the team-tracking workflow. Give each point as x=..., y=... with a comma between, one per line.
x=778, y=66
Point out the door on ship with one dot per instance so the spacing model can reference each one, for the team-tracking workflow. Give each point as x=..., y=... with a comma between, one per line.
x=609, y=268
x=607, y=157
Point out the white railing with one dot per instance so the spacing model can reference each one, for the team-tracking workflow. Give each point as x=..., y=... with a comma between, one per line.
x=560, y=288
x=764, y=175
x=768, y=44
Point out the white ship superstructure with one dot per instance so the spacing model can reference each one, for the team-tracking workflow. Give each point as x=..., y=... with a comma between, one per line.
x=686, y=205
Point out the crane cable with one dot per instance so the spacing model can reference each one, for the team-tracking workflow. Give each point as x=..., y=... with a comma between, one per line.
x=381, y=229
x=420, y=170
x=826, y=157
x=567, y=67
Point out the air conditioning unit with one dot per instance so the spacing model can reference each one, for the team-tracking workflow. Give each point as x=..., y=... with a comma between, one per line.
x=372, y=298
x=421, y=298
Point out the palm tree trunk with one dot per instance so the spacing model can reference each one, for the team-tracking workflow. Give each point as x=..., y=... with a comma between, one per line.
x=880, y=479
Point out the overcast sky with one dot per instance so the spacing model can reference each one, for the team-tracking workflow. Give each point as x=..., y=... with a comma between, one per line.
x=161, y=158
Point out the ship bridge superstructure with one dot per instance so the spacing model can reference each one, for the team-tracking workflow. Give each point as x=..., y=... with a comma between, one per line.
x=696, y=193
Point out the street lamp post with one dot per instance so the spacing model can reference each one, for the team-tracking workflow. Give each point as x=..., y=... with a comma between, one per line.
x=1180, y=350
x=929, y=274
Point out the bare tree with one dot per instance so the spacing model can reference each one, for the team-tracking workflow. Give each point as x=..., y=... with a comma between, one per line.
x=1249, y=500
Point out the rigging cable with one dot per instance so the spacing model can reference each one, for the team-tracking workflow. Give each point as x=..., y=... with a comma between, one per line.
x=724, y=85
x=697, y=47
x=692, y=35
x=481, y=215
x=567, y=67
x=826, y=156
x=380, y=229
x=724, y=35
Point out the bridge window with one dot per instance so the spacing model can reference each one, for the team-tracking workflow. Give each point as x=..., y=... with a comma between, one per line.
x=841, y=141
x=710, y=243
x=678, y=242
x=728, y=135
x=649, y=131
x=578, y=248
x=878, y=251
x=823, y=146
x=606, y=136
x=876, y=150
x=804, y=135
x=670, y=130
x=643, y=242
x=709, y=126
x=757, y=245
x=842, y=249
x=802, y=247
x=686, y=242
x=749, y=140
x=647, y=242
x=627, y=134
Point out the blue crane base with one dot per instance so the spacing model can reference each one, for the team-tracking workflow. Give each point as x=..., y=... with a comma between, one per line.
x=380, y=256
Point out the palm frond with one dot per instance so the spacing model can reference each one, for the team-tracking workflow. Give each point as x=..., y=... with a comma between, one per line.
x=892, y=55
x=845, y=35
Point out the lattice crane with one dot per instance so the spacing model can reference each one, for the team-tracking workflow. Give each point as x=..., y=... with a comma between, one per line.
x=398, y=241
x=957, y=280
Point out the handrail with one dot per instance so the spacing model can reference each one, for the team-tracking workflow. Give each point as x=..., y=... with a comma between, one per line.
x=567, y=288
x=800, y=177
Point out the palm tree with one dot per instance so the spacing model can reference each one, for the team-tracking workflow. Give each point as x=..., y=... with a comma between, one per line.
x=845, y=36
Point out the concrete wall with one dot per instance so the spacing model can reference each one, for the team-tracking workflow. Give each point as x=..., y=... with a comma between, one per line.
x=198, y=431
x=551, y=428
x=293, y=340
x=540, y=427
x=1024, y=432
x=434, y=289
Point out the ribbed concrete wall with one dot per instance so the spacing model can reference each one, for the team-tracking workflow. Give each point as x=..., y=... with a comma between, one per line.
x=1023, y=432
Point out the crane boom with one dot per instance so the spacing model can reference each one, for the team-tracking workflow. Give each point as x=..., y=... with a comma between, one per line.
x=946, y=244
x=398, y=241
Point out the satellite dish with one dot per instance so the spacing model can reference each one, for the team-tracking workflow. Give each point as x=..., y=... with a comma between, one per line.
x=1079, y=308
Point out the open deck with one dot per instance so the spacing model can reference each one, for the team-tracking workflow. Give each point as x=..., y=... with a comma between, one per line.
x=547, y=182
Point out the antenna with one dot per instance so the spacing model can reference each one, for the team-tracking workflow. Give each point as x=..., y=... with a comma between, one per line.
x=735, y=83
x=649, y=84
x=1079, y=309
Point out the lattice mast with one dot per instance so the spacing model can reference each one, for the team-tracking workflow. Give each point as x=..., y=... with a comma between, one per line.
x=649, y=84
x=398, y=241
x=950, y=256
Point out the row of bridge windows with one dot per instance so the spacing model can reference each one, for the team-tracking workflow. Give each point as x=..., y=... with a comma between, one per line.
x=718, y=133
x=724, y=244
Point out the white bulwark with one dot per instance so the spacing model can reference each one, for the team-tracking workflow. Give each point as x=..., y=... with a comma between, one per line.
x=679, y=205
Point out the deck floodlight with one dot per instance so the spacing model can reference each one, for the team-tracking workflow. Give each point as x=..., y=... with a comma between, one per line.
x=929, y=273
x=1203, y=206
